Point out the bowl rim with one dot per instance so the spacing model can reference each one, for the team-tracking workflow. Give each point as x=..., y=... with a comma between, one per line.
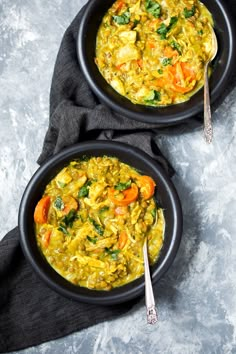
x=107, y=298
x=151, y=114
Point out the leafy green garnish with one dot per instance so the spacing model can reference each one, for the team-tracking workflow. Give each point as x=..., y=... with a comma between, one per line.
x=112, y=253
x=122, y=19
x=163, y=29
x=160, y=71
x=84, y=191
x=166, y=61
x=122, y=186
x=153, y=8
x=136, y=22
x=58, y=203
x=200, y=32
x=153, y=212
x=92, y=239
x=189, y=13
x=173, y=21
x=154, y=97
x=98, y=228
x=177, y=46
x=61, y=184
x=63, y=229
x=105, y=208
x=70, y=218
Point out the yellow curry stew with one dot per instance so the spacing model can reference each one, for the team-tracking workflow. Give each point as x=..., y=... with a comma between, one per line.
x=153, y=52
x=92, y=219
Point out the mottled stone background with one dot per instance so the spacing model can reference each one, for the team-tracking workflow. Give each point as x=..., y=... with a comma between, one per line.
x=197, y=298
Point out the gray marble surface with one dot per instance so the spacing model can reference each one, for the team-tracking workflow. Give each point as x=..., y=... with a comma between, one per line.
x=196, y=299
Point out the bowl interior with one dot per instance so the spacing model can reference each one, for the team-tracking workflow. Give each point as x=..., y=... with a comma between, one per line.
x=223, y=66
x=166, y=196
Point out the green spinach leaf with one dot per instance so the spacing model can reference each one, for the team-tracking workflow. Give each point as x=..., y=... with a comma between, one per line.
x=153, y=8
x=58, y=203
x=122, y=19
x=189, y=13
x=98, y=228
x=122, y=186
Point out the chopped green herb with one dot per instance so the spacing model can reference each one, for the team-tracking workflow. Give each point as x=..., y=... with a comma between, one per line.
x=153, y=212
x=61, y=184
x=122, y=19
x=113, y=253
x=200, y=32
x=98, y=228
x=136, y=22
x=173, y=21
x=160, y=71
x=84, y=191
x=176, y=46
x=189, y=13
x=154, y=97
x=92, y=239
x=122, y=186
x=166, y=61
x=63, y=229
x=105, y=208
x=70, y=218
x=163, y=29
x=153, y=8
x=58, y=203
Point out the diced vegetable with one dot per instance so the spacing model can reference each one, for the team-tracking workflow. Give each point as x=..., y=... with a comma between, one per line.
x=63, y=178
x=128, y=36
x=123, y=238
x=46, y=238
x=147, y=186
x=41, y=210
x=70, y=205
x=124, y=197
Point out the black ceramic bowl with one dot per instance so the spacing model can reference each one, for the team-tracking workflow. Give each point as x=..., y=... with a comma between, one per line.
x=166, y=195
x=223, y=66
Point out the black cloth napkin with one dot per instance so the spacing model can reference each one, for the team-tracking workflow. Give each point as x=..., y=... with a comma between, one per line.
x=30, y=312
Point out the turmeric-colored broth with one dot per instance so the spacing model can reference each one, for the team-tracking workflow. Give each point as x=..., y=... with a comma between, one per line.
x=92, y=220
x=154, y=52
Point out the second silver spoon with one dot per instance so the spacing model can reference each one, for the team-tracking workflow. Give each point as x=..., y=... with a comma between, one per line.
x=208, y=130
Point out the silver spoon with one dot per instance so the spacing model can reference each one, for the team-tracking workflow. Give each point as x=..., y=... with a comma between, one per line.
x=149, y=297
x=208, y=130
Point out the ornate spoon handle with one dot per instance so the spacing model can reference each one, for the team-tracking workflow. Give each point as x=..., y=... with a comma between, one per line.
x=149, y=297
x=208, y=130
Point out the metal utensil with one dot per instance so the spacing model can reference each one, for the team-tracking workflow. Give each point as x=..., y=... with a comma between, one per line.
x=149, y=297
x=208, y=130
